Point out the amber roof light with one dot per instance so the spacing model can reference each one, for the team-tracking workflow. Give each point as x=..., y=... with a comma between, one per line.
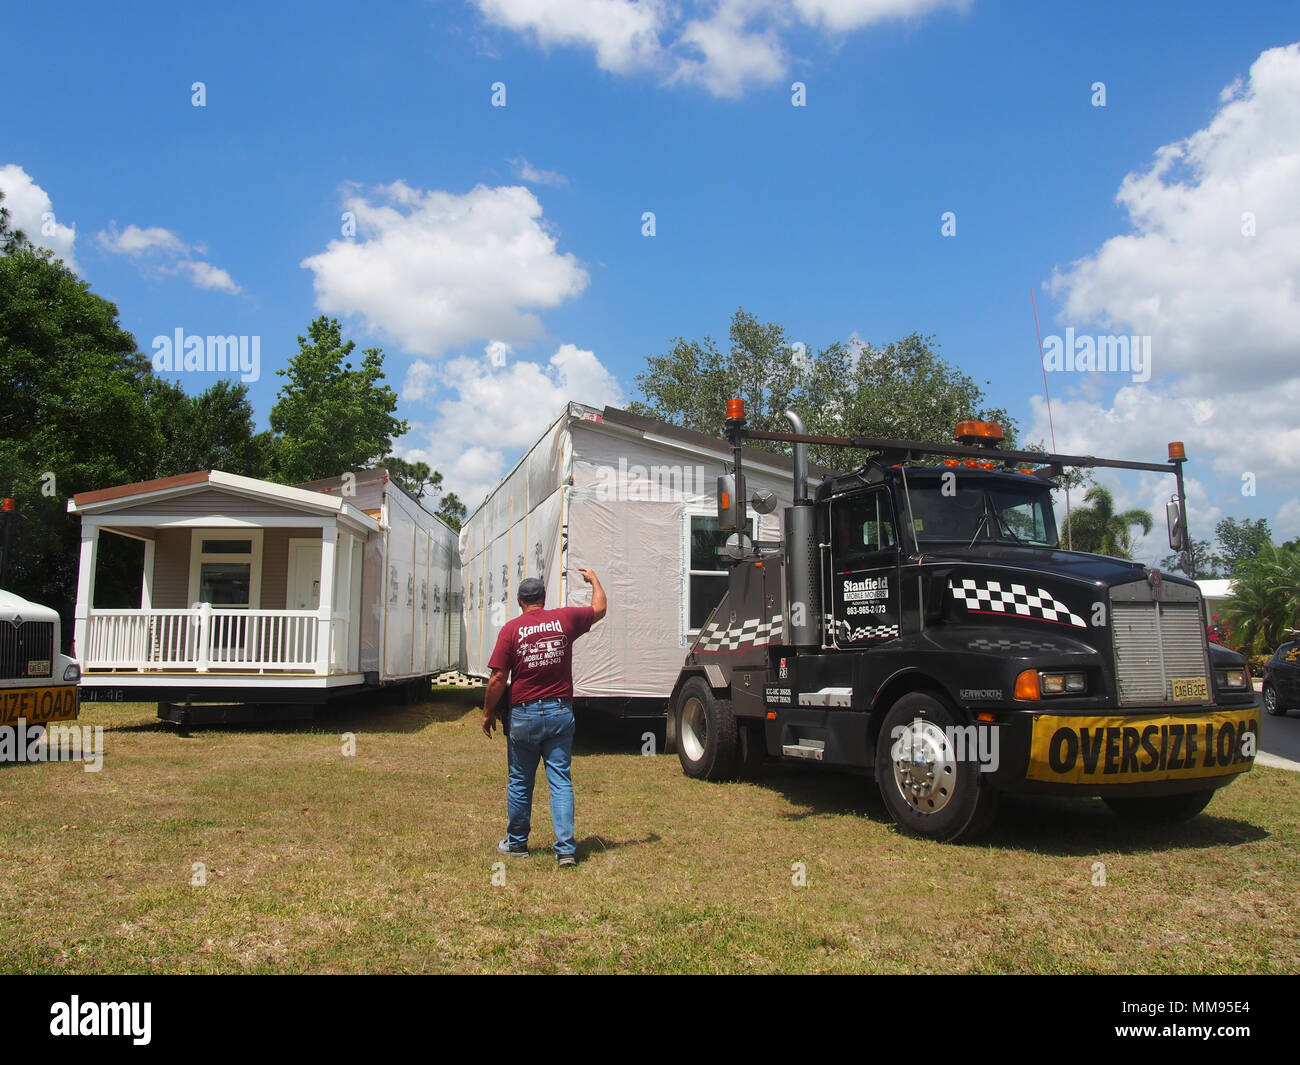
x=1176, y=450
x=972, y=430
x=735, y=410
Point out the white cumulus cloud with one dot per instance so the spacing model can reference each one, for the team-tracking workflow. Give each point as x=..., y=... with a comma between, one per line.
x=160, y=252
x=433, y=270
x=624, y=34
x=31, y=211
x=136, y=241
x=525, y=171
x=1211, y=269
x=1211, y=272
x=205, y=275
x=490, y=413
x=725, y=46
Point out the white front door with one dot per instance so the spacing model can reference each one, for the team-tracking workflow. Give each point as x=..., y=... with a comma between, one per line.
x=304, y=575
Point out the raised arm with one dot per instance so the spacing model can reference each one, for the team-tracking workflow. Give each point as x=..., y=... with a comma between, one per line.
x=598, y=603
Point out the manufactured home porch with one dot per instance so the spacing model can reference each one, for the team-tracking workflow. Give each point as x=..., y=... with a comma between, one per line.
x=239, y=578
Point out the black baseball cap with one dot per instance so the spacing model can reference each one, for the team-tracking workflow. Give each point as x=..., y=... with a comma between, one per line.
x=531, y=590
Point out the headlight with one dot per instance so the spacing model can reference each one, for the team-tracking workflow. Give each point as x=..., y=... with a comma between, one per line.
x=73, y=673
x=1229, y=679
x=1061, y=683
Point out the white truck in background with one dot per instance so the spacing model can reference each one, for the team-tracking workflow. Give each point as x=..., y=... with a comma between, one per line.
x=38, y=684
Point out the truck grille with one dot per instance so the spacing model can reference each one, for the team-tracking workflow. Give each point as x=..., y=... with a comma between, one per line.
x=1155, y=644
x=30, y=644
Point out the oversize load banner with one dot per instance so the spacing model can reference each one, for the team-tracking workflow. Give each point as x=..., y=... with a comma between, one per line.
x=37, y=705
x=1130, y=749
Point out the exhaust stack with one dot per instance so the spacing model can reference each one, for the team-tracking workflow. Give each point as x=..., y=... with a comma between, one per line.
x=802, y=560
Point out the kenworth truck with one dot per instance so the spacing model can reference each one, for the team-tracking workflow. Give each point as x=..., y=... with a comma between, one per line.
x=923, y=623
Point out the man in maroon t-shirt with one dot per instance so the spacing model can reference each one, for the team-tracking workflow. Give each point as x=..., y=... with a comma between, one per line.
x=536, y=651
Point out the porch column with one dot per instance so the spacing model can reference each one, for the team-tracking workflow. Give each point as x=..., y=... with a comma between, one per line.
x=329, y=536
x=345, y=600
x=85, y=589
x=146, y=585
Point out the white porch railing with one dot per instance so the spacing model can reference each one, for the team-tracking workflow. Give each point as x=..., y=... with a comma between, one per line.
x=204, y=638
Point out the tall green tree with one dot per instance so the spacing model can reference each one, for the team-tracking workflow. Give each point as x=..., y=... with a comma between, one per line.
x=328, y=416
x=1096, y=527
x=74, y=413
x=1206, y=565
x=415, y=477
x=903, y=390
x=452, y=510
x=1265, y=598
x=1240, y=540
x=213, y=430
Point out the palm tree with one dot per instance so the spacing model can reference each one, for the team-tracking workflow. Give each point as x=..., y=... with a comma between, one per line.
x=1265, y=598
x=1100, y=530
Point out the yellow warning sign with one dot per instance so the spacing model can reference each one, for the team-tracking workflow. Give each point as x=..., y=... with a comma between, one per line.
x=1132, y=749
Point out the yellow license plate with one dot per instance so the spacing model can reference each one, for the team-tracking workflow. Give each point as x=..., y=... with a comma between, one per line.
x=1186, y=688
x=37, y=705
x=1134, y=749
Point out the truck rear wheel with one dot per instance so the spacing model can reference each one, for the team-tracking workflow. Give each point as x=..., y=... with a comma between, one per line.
x=707, y=740
x=1162, y=809
x=929, y=791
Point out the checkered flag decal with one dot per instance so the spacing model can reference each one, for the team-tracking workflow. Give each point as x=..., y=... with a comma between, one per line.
x=755, y=632
x=994, y=597
x=869, y=632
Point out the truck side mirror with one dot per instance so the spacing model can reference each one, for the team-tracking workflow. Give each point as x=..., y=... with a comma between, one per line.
x=764, y=501
x=1174, y=518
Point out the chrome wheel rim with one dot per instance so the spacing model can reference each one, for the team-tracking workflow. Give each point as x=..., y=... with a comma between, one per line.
x=925, y=771
x=695, y=729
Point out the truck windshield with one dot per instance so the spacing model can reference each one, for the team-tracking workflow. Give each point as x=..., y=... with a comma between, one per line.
x=983, y=513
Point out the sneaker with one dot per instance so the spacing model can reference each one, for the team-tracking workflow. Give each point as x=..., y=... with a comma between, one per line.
x=504, y=847
x=566, y=860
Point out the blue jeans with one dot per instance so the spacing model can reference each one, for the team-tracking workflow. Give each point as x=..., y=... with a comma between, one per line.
x=541, y=730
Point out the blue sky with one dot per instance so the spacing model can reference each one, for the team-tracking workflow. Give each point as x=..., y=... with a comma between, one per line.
x=499, y=255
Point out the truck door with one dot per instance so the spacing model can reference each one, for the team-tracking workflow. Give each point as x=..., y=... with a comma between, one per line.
x=1287, y=674
x=864, y=569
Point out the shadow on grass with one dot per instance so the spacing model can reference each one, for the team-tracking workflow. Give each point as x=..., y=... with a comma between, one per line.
x=370, y=712
x=591, y=846
x=1050, y=825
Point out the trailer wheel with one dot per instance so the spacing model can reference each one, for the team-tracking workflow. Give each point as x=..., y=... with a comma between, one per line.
x=707, y=740
x=1162, y=809
x=928, y=791
x=1270, y=701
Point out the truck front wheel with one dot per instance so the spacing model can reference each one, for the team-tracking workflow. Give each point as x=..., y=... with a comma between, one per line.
x=1162, y=809
x=928, y=790
x=707, y=739
x=1270, y=701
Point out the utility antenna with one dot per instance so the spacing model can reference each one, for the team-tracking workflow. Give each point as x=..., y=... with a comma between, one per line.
x=1069, y=532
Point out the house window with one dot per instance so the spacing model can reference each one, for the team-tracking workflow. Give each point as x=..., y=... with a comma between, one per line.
x=226, y=568
x=707, y=575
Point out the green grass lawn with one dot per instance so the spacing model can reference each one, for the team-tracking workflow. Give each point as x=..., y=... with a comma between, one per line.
x=384, y=862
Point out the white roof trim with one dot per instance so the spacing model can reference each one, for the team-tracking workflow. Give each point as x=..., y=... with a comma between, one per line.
x=299, y=498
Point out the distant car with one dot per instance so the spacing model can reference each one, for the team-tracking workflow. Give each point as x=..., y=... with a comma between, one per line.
x=1282, y=679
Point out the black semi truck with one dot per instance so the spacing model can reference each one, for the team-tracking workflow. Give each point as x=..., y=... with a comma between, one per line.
x=923, y=623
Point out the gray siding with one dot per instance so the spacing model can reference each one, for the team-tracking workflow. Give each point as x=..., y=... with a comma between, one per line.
x=171, y=570
x=275, y=564
x=209, y=501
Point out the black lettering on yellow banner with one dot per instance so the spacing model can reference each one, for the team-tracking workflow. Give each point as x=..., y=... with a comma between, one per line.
x=1140, y=748
x=37, y=706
